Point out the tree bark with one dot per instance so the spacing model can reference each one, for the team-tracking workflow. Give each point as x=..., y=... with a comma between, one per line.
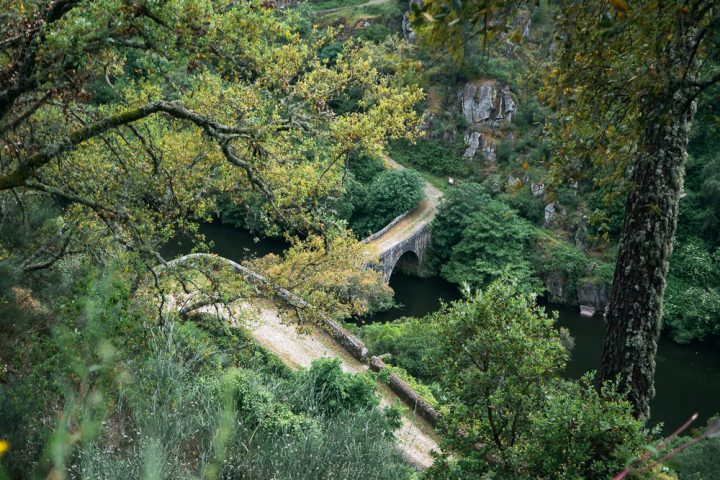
x=634, y=314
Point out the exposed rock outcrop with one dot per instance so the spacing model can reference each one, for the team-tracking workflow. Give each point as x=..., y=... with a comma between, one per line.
x=555, y=286
x=486, y=106
x=549, y=212
x=537, y=189
x=407, y=29
x=592, y=295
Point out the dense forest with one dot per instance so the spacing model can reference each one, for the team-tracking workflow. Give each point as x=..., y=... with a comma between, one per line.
x=205, y=206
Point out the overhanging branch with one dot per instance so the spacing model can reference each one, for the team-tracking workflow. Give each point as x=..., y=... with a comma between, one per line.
x=18, y=176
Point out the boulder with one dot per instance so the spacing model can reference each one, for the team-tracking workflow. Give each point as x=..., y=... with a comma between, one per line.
x=549, y=212
x=479, y=141
x=537, y=189
x=587, y=311
x=555, y=286
x=486, y=100
x=595, y=296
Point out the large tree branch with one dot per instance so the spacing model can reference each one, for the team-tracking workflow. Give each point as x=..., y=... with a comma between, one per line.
x=54, y=257
x=18, y=176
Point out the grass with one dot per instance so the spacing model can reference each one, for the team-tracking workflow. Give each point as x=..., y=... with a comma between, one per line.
x=333, y=4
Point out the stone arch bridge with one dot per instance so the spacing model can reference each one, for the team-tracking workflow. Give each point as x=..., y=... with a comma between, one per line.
x=405, y=239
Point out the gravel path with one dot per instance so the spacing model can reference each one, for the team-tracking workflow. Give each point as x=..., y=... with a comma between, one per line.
x=416, y=438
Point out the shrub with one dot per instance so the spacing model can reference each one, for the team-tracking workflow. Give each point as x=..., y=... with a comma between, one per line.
x=411, y=342
x=457, y=206
x=324, y=388
x=579, y=434
x=494, y=242
x=509, y=415
x=376, y=33
x=433, y=156
x=698, y=462
x=529, y=207
x=692, y=298
x=390, y=194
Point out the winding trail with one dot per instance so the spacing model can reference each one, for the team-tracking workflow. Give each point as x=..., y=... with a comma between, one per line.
x=416, y=437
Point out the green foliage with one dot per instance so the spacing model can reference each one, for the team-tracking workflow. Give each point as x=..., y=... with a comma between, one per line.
x=558, y=257
x=457, y=206
x=411, y=342
x=479, y=239
x=495, y=334
x=433, y=156
x=421, y=389
x=376, y=32
x=698, y=461
x=142, y=401
x=692, y=299
x=169, y=82
x=508, y=413
x=607, y=215
x=580, y=434
x=330, y=4
x=390, y=194
x=527, y=206
x=332, y=391
x=365, y=168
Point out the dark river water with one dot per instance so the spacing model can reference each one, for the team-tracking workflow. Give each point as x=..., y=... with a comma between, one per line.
x=687, y=376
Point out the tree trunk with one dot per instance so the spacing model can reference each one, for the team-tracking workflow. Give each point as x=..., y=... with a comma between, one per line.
x=634, y=314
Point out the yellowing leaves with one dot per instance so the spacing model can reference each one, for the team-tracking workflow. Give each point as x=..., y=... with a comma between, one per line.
x=620, y=5
x=328, y=273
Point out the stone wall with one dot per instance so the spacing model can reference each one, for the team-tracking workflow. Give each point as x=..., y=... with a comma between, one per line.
x=341, y=335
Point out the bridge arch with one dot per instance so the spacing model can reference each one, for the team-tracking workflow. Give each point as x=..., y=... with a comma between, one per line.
x=407, y=252
x=408, y=262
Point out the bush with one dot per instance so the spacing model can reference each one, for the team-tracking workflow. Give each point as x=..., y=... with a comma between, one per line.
x=433, y=156
x=698, y=462
x=692, y=298
x=578, y=434
x=185, y=400
x=376, y=33
x=390, y=194
x=324, y=388
x=457, y=206
x=411, y=342
x=508, y=414
x=494, y=242
x=529, y=207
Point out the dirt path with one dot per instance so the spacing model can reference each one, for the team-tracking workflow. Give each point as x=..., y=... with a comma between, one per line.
x=416, y=438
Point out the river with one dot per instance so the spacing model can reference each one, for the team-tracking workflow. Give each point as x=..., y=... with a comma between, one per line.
x=687, y=377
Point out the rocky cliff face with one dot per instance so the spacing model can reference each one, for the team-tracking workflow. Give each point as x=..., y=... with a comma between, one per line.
x=406, y=26
x=488, y=108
